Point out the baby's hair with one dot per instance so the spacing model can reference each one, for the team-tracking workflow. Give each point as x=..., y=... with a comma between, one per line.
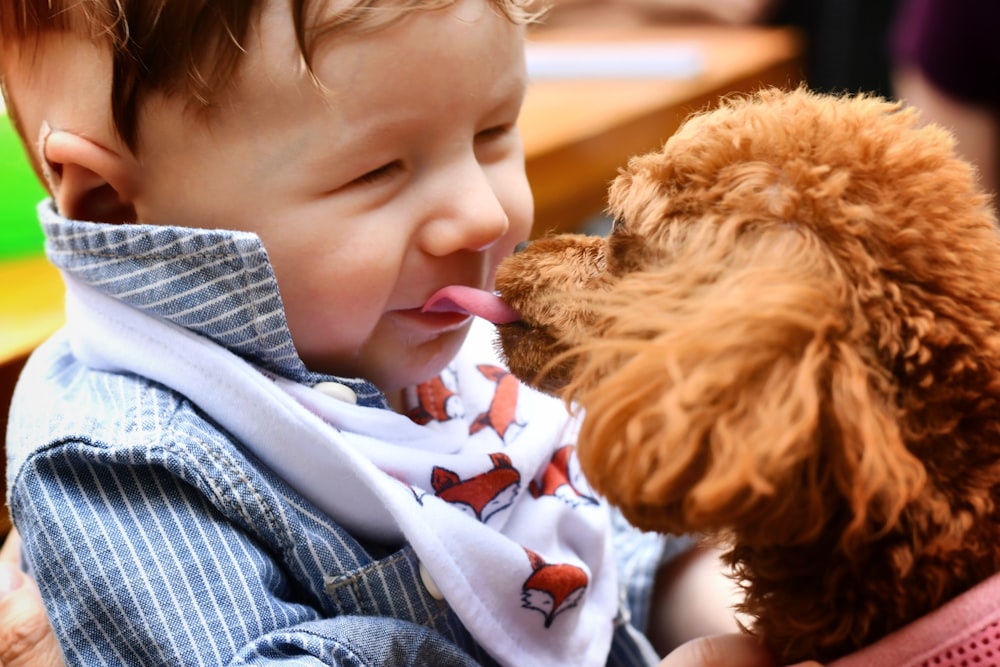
x=192, y=48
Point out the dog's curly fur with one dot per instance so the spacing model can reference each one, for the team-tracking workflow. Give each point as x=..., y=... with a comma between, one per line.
x=789, y=341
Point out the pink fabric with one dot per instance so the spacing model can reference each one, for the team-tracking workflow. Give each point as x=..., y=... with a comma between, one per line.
x=963, y=633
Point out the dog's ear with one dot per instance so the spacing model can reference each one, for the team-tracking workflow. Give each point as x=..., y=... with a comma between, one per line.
x=740, y=395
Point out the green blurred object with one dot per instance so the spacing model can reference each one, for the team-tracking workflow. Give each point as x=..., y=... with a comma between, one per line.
x=20, y=192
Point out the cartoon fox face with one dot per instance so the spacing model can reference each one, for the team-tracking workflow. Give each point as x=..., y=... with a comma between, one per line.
x=502, y=413
x=563, y=479
x=552, y=588
x=483, y=495
x=436, y=401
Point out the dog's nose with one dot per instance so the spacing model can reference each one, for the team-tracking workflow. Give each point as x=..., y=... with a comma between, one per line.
x=521, y=247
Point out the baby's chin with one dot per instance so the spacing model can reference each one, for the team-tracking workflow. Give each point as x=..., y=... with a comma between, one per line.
x=394, y=363
x=396, y=371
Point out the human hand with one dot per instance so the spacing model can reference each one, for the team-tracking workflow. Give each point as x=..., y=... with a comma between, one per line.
x=733, y=650
x=26, y=637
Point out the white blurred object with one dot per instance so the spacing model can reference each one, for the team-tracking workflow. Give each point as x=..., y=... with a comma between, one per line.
x=625, y=60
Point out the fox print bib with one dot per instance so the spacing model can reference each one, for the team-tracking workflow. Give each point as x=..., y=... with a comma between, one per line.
x=479, y=477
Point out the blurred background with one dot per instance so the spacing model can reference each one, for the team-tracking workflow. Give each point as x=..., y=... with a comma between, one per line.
x=19, y=193
x=845, y=41
x=936, y=55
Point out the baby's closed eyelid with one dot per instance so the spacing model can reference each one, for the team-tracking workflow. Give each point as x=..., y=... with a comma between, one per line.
x=379, y=173
x=495, y=132
x=497, y=142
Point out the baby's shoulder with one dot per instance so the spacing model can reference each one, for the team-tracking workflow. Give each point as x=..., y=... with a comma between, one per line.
x=60, y=399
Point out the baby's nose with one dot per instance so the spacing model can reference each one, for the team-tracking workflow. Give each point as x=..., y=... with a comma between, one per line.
x=473, y=219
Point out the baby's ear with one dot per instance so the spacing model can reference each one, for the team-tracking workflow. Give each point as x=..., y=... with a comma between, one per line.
x=862, y=458
x=87, y=181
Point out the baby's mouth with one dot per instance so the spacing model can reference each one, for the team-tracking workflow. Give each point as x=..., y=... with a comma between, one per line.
x=472, y=301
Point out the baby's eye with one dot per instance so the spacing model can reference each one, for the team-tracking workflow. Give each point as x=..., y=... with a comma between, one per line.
x=496, y=143
x=379, y=173
x=493, y=133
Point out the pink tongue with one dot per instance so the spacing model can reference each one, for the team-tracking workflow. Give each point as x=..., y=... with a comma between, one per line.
x=462, y=299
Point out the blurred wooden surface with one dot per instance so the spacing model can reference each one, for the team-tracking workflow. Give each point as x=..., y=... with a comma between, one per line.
x=578, y=133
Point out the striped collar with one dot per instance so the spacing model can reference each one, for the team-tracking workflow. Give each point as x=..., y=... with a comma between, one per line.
x=214, y=282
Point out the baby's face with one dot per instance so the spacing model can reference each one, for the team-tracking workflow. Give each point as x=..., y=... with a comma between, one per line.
x=405, y=175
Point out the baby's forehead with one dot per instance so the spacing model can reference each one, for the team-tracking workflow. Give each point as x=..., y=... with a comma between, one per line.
x=335, y=37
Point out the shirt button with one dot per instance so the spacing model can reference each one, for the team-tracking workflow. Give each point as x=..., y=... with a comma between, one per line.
x=341, y=392
x=430, y=584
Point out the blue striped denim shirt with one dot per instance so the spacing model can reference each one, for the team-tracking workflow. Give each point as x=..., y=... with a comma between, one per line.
x=157, y=539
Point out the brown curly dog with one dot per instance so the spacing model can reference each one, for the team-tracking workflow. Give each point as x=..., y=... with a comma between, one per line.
x=790, y=341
